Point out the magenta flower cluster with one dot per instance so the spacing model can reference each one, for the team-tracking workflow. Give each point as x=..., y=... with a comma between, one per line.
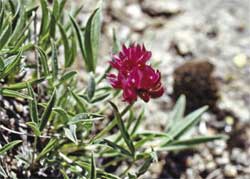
x=135, y=77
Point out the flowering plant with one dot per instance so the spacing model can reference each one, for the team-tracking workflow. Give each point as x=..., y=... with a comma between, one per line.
x=51, y=127
x=135, y=77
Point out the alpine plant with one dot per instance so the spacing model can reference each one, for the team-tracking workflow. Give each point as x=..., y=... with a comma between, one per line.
x=135, y=76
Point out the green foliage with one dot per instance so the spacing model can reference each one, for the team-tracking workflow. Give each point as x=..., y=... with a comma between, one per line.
x=9, y=146
x=71, y=129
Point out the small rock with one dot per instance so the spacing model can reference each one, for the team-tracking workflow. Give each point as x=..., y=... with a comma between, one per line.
x=229, y=120
x=211, y=166
x=134, y=11
x=240, y=60
x=230, y=171
x=161, y=8
x=239, y=157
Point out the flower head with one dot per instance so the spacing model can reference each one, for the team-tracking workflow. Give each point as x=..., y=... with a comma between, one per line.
x=135, y=77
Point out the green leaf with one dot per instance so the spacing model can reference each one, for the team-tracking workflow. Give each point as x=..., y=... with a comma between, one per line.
x=93, y=168
x=91, y=87
x=116, y=147
x=45, y=18
x=153, y=134
x=65, y=45
x=62, y=113
x=19, y=26
x=14, y=94
x=137, y=123
x=9, y=146
x=100, y=98
x=33, y=105
x=73, y=51
x=5, y=35
x=11, y=64
x=71, y=133
x=52, y=25
x=188, y=122
x=115, y=47
x=79, y=101
x=1, y=14
x=1, y=65
x=34, y=127
x=198, y=140
x=145, y=166
x=79, y=36
x=61, y=5
x=85, y=117
x=50, y=146
x=54, y=60
x=22, y=85
x=123, y=130
x=67, y=76
x=56, y=9
x=178, y=111
x=48, y=111
x=111, y=125
x=100, y=173
x=43, y=60
x=91, y=40
x=180, y=127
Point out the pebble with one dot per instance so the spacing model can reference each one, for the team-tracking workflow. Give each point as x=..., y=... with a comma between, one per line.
x=224, y=159
x=134, y=11
x=240, y=157
x=230, y=171
x=211, y=166
x=240, y=60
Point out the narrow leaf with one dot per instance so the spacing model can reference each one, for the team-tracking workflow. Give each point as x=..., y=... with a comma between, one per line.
x=5, y=35
x=34, y=127
x=116, y=147
x=85, y=117
x=93, y=168
x=178, y=111
x=54, y=61
x=43, y=60
x=65, y=45
x=67, y=76
x=71, y=133
x=14, y=94
x=33, y=105
x=91, y=40
x=47, y=149
x=122, y=128
x=91, y=87
x=48, y=111
x=22, y=85
x=45, y=17
x=9, y=146
x=11, y=64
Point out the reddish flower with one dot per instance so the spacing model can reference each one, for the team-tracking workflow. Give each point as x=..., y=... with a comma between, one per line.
x=135, y=77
